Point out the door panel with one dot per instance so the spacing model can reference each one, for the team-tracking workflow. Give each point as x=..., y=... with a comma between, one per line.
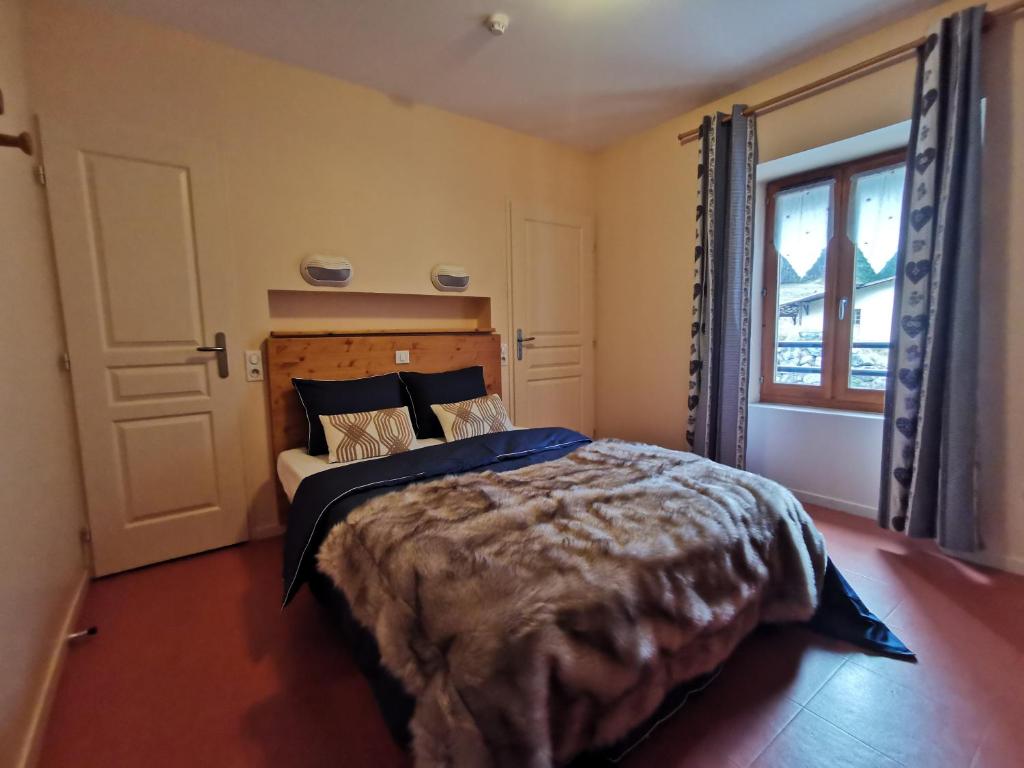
x=553, y=277
x=553, y=305
x=148, y=446
x=138, y=231
x=152, y=381
x=143, y=241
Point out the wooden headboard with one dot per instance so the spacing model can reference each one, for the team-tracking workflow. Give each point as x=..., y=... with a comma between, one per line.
x=356, y=355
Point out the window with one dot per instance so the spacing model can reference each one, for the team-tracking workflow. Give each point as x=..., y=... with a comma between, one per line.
x=829, y=278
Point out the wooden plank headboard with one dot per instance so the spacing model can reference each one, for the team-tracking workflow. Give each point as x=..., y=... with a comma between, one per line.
x=356, y=355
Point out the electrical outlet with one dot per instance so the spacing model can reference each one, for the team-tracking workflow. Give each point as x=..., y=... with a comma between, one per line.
x=253, y=365
x=401, y=357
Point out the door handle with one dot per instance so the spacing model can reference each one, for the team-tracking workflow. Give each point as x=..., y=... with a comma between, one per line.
x=520, y=340
x=221, y=348
x=843, y=302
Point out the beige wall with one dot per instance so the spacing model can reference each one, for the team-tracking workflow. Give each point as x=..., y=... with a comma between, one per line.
x=646, y=203
x=315, y=164
x=312, y=164
x=40, y=489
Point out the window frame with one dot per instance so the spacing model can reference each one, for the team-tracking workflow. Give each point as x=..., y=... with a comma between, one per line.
x=834, y=390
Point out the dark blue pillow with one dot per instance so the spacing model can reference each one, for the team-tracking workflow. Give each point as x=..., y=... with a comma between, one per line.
x=426, y=389
x=322, y=397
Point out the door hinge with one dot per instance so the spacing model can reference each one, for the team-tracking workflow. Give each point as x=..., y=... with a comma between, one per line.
x=760, y=379
x=65, y=360
x=85, y=534
x=41, y=174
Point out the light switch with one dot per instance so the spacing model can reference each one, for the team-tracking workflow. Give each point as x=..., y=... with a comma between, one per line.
x=253, y=365
x=504, y=353
x=401, y=357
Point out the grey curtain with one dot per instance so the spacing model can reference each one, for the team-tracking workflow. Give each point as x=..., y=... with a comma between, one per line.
x=720, y=332
x=928, y=451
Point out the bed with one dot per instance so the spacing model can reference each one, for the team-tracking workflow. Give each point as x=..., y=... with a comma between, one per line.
x=526, y=596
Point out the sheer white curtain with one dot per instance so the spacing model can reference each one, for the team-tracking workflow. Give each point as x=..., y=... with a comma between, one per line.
x=802, y=224
x=877, y=203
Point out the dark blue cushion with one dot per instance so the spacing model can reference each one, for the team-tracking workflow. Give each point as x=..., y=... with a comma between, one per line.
x=321, y=397
x=426, y=389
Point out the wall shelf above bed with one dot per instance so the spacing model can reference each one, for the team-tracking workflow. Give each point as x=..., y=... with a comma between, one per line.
x=389, y=332
x=354, y=312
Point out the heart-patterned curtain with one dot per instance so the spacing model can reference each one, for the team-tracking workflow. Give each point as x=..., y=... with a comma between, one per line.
x=928, y=452
x=723, y=265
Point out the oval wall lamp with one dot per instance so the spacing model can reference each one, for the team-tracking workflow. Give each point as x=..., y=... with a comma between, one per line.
x=332, y=271
x=449, y=277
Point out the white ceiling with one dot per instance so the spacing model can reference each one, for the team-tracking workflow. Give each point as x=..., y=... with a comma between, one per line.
x=583, y=72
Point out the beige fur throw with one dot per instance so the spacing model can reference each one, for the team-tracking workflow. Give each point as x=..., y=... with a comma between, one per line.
x=543, y=611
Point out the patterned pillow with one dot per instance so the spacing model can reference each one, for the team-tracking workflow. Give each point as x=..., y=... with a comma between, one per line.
x=469, y=418
x=367, y=434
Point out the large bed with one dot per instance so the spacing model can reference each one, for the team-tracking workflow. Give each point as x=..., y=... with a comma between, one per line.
x=526, y=596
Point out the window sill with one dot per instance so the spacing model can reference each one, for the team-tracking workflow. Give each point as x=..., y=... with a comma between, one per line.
x=817, y=410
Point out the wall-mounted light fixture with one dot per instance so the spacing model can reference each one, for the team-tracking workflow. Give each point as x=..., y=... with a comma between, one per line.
x=332, y=271
x=449, y=277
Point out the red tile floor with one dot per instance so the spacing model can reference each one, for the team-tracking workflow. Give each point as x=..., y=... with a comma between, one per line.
x=195, y=665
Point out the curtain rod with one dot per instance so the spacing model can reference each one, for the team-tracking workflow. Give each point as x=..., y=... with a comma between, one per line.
x=892, y=54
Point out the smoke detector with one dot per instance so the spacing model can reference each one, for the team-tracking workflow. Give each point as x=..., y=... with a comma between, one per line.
x=497, y=23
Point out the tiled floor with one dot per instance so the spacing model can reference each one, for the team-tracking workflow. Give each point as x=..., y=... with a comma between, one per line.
x=195, y=666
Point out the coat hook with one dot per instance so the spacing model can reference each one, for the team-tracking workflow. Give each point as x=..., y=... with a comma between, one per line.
x=22, y=141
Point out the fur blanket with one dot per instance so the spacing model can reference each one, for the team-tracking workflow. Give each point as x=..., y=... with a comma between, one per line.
x=544, y=611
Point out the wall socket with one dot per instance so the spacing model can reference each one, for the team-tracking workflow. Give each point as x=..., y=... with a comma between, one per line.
x=253, y=365
x=401, y=357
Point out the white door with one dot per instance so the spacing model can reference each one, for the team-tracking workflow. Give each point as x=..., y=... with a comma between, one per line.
x=138, y=228
x=553, y=312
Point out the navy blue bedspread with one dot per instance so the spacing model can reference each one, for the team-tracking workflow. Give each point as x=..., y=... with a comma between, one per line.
x=325, y=499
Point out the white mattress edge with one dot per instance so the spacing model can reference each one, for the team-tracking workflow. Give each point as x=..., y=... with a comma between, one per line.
x=295, y=464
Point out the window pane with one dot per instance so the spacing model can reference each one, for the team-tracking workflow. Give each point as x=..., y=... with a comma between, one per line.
x=803, y=227
x=876, y=203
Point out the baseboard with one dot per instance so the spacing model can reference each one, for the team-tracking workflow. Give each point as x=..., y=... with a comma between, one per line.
x=861, y=510
x=266, y=531
x=33, y=742
x=1010, y=563
x=1002, y=562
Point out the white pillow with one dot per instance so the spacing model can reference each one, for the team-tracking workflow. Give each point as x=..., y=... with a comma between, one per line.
x=367, y=434
x=469, y=418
